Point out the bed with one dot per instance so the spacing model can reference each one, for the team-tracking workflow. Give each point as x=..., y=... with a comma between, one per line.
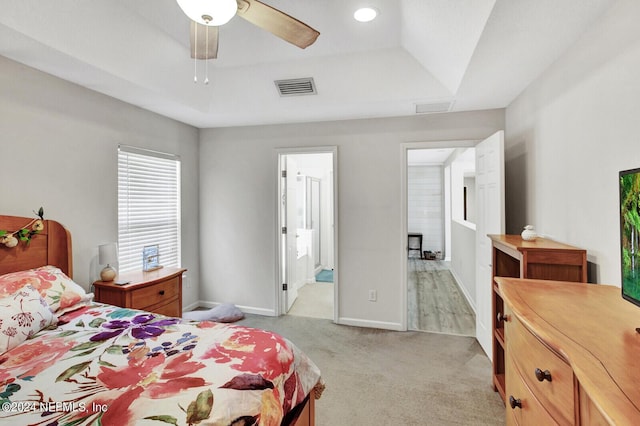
x=69, y=361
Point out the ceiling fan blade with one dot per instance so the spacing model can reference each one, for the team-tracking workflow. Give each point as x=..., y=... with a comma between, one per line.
x=205, y=50
x=277, y=23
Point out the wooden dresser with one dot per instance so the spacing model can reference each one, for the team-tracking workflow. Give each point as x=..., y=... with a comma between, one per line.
x=572, y=354
x=540, y=259
x=158, y=291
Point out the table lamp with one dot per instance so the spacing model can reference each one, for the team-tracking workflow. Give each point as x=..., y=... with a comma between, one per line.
x=107, y=254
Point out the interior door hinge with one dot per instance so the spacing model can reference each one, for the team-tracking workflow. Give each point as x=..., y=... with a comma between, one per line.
x=284, y=229
x=285, y=286
x=284, y=173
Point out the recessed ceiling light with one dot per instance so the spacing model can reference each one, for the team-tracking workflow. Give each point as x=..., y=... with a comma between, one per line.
x=365, y=14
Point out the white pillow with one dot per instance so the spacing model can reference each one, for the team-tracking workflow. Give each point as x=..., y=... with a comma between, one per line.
x=23, y=314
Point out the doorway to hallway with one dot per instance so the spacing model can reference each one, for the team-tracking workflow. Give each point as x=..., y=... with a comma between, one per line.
x=466, y=244
x=435, y=300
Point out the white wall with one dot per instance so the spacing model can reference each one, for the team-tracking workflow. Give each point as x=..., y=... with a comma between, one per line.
x=425, y=204
x=58, y=145
x=463, y=259
x=570, y=133
x=238, y=175
x=463, y=233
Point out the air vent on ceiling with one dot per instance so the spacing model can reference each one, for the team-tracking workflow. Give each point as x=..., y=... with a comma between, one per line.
x=431, y=108
x=296, y=87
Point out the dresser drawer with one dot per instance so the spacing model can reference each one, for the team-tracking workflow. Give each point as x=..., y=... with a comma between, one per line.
x=526, y=409
x=154, y=294
x=548, y=377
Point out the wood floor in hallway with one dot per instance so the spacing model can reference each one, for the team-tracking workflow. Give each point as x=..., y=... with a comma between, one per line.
x=435, y=301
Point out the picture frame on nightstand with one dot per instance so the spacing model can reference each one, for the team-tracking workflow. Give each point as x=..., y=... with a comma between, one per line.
x=151, y=258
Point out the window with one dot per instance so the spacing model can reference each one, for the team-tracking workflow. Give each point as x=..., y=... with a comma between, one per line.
x=148, y=206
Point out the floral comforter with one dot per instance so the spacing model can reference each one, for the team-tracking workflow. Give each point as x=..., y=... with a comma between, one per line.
x=114, y=366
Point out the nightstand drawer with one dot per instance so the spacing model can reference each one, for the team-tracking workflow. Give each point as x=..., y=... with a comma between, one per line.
x=155, y=294
x=170, y=310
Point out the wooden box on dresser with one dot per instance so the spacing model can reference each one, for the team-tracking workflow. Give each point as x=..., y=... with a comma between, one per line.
x=538, y=259
x=158, y=291
x=571, y=355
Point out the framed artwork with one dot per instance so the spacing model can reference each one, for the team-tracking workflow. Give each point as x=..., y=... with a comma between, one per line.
x=150, y=258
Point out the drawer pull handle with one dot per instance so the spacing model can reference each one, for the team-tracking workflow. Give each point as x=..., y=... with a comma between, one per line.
x=514, y=402
x=543, y=375
x=502, y=317
x=161, y=292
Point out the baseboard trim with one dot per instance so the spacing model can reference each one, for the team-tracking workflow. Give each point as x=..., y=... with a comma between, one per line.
x=191, y=306
x=464, y=291
x=258, y=311
x=370, y=324
x=245, y=309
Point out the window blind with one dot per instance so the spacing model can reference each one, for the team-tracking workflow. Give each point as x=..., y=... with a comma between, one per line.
x=148, y=206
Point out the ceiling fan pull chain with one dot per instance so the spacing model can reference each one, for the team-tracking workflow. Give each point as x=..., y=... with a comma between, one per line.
x=195, y=56
x=206, y=58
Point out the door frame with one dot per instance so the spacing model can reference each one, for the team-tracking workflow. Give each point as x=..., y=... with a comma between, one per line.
x=402, y=241
x=279, y=153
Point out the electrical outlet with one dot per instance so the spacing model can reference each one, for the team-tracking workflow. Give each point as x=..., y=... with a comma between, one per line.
x=373, y=295
x=185, y=281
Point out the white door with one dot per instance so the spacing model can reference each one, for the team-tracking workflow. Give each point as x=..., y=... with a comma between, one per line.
x=290, y=243
x=315, y=221
x=490, y=220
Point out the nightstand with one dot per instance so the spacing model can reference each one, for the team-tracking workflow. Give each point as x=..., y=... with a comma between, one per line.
x=158, y=291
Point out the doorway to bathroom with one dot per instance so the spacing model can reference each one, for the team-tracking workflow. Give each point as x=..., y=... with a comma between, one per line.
x=307, y=279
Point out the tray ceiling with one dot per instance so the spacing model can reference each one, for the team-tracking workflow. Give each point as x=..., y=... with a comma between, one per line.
x=472, y=54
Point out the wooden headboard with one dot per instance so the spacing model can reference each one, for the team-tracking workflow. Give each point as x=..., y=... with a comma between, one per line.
x=51, y=246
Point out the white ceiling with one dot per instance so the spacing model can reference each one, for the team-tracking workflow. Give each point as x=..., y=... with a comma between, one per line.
x=478, y=54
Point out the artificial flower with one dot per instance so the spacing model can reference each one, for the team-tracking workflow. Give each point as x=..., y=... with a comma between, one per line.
x=24, y=234
x=10, y=241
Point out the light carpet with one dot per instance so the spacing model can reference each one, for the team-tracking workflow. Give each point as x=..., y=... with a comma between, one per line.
x=314, y=300
x=378, y=377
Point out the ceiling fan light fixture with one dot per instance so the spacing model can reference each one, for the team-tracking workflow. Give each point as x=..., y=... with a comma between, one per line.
x=211, y=12
x=365, y=14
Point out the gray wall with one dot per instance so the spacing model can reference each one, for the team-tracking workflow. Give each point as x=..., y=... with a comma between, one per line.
x=570, y=133
x=58, y=145
x=238, y=203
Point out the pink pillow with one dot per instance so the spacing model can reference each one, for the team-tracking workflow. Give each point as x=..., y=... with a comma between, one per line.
x=60, y=292
x=23, y=314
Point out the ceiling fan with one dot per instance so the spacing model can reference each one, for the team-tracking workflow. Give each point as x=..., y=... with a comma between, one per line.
x=211, y=14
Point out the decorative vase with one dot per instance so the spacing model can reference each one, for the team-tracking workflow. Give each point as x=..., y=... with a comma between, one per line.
x=108, y=273
x=529, y=234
